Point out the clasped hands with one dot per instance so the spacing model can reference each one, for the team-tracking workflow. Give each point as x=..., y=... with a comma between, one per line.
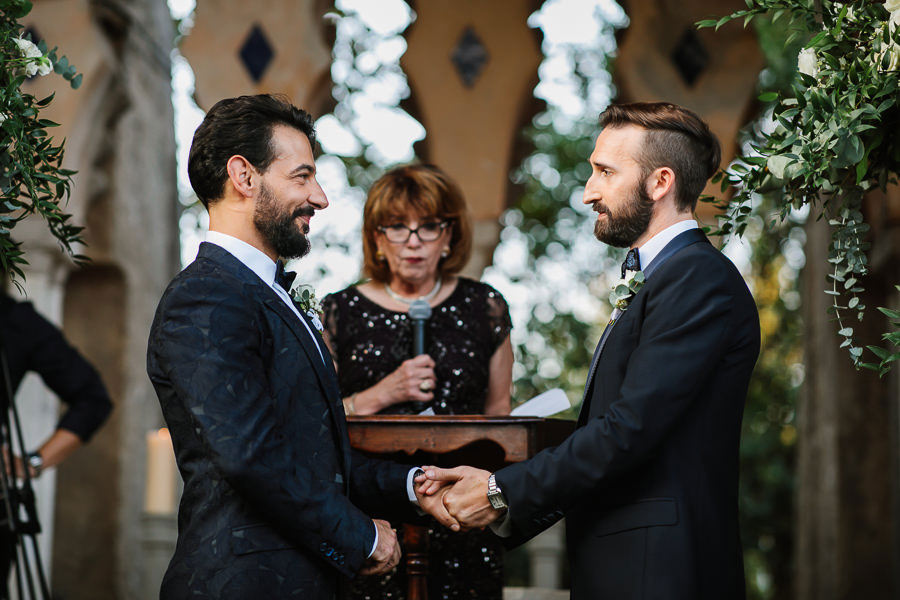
x=456, y=497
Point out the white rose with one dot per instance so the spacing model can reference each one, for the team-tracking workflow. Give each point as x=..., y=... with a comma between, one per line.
x=44, y=66
x=28, y=48
x=892, y=50
x=2, y=118
x=892, y=6
x=31, y=69
x=806, y=62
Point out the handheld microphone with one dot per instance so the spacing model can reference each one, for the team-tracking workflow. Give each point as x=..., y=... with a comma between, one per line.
x=419, y=312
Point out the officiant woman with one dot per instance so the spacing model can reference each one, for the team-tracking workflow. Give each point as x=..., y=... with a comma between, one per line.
x=416, y=239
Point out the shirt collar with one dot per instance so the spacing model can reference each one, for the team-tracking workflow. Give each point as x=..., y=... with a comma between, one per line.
x=252, y=258
x=654, y=245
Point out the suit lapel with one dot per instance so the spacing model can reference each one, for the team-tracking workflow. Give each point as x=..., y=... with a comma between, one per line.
x=682, y=240
x=324, y=370
x=334, y=402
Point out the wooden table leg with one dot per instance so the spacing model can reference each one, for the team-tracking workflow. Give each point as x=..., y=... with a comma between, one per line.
x=415, y=542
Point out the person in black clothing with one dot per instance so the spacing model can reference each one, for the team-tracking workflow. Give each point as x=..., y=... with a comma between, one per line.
x=31, y=343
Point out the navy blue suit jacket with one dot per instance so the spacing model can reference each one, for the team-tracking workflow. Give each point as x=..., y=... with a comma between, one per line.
x=648, y=482
x=275, y=503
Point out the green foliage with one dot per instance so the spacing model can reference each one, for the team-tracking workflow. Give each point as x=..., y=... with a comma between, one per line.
x=32, y=179
x=831, y=138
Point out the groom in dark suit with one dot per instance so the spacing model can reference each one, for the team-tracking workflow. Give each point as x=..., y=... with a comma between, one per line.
x=275, y=503
x=648, y=482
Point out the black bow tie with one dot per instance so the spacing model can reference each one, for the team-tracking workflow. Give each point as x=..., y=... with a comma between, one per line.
x=284, y=278
x=632, y=262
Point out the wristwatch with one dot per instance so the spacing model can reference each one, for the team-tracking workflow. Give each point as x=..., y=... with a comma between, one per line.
x=36, y=462
x=495, y=495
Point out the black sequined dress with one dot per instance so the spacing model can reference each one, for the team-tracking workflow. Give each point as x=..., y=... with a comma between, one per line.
x=369, y=342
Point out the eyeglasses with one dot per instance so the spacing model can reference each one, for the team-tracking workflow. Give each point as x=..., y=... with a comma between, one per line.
x=427, y=232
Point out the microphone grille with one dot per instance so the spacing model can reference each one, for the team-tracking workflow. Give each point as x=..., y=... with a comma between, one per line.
x=419, y=310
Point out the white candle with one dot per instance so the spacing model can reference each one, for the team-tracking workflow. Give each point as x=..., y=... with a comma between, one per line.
x=159, y=496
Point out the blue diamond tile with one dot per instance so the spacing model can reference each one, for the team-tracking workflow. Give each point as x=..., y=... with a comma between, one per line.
x=469, y=57
x=256, y=53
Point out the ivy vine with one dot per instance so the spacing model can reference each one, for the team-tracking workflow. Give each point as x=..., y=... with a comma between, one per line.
x=832, y=140
x=32, y=179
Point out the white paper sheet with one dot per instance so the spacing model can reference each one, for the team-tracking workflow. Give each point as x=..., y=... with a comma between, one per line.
x=549, y=403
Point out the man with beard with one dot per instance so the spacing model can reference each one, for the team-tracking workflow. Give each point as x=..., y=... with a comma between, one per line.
x=648, y=481
x=275, y=503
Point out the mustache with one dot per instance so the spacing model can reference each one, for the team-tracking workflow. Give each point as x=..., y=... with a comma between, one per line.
x=303, y=211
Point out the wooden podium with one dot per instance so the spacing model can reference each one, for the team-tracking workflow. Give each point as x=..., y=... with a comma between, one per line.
x=447, y=441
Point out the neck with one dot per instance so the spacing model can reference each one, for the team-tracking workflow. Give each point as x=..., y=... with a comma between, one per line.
x=412, y=289
x=660, y=222
x=237, y=225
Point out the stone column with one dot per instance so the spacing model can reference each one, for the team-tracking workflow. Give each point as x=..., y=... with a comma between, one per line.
x=472, y=67
x=120, y=132
x=235, y=48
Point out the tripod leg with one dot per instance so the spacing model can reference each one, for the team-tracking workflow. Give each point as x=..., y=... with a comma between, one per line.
x=41, y=576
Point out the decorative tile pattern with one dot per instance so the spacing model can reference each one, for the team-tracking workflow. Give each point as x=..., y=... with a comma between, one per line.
x=256, y=53
x=690, y=56
x=469, y=56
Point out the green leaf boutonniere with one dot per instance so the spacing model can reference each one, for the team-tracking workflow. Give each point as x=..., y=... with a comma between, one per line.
x=305, y=297
x=625, y=289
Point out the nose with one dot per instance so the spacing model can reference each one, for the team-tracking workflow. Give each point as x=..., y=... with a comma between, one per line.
x=317, y=198
x=414, y=235
x=589, y=195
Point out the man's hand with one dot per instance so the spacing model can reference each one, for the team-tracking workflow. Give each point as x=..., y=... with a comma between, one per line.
x=387, y=552
x=466, y=500
x=434, y=505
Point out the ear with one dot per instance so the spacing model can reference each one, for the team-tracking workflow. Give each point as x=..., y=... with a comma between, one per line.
x=242, y=175
x=661, y=183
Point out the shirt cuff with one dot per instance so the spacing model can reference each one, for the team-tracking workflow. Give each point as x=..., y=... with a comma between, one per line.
x=410, y=490
x=502, y=527
x=374, y=545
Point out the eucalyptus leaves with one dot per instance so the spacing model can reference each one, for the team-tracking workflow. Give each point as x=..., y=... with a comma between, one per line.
x=833, y=140
x=625, y=289
x=32, y=179
x=305, y=297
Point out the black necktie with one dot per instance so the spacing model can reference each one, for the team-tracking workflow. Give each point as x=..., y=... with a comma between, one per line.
x=632, y=262
x=284, y=278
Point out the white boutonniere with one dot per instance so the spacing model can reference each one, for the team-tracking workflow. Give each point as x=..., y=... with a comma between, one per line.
x=625, y=289
x=305, y=297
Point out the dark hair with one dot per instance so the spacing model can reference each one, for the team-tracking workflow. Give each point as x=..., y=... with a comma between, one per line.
x=243, y=126
x=676, y=138
x=424, y=190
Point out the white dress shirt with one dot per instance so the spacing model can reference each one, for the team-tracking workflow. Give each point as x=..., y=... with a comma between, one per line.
x=257, y=261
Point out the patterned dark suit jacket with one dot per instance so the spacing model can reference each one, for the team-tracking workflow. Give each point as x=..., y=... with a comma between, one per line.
x=275, y=504
x=648, y=482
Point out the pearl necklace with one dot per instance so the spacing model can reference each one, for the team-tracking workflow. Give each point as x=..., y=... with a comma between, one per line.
x=427, y=297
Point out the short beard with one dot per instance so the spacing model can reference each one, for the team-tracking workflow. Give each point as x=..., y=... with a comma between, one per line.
x=622, y=230
x=278, y=227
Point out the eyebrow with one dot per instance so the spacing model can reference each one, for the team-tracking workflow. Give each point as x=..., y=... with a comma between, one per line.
x=601, y=165
x=302, y=170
